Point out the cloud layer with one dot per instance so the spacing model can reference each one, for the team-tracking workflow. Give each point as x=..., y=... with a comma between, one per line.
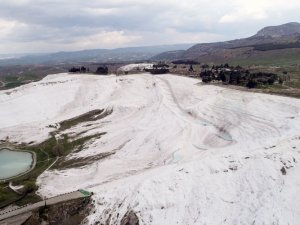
x=56, y=25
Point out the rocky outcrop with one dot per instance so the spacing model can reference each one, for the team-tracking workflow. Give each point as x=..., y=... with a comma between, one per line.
x=68, y=213
x=282, y=30
x=130, y=218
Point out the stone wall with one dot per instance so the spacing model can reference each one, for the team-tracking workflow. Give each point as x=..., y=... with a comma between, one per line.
x=68, y=213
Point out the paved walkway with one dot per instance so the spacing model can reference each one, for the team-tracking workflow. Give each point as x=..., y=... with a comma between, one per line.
x=50, y=201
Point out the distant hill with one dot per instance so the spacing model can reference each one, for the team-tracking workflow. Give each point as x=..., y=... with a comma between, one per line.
x=267, y=45
x=271, y=45
x=94, y=55
x=279, y=31
x=170, y=55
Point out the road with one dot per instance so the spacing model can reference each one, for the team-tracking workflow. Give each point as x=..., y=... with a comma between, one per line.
x=51, y=201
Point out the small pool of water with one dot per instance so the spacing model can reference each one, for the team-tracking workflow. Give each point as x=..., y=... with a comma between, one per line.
x=13, y=163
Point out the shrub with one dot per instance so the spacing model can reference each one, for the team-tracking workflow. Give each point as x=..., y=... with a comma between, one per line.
x=103, y=70
x=251, y=84
x=206, y=79
x=30, y=186
x=58, y=150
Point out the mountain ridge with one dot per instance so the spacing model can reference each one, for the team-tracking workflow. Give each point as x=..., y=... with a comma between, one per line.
x=281, y=30
x=95, y=55
x=270, y=38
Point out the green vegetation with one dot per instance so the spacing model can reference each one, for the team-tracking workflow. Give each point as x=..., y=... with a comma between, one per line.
x=14, y=81
x=16, y=75
x=86, y=193
x=274, y=87
x=238, y=76
x=89, y=116
x=283, y=58
x=43, y=150
x=293, y=84
x=62, y=163
x=11, y=79
x=276, y=46
x=7, y=195
x=51, y=150
x=273, y=74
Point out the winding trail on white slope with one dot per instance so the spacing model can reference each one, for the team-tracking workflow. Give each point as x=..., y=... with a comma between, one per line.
x=186, y=152
x=238, y=116
x=172, y=103
x=167, y=99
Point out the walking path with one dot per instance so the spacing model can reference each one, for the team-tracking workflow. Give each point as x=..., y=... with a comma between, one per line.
x=50, y=201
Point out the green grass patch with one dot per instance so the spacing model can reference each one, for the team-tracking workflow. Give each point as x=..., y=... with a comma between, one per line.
x=273, y=87
x=89, y=116
x=29, y=199
x=14, y=81
x=7, y=196
x=293, y=84
x=283, y=58
x=11, y=78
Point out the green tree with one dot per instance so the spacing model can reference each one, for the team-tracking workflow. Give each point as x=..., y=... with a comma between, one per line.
x=58, y=150
x=30, y=186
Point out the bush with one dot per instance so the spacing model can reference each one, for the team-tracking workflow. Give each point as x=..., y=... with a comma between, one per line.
x=103, y=70
x=206, y=79
x=205, y=66
x=58, y=150
x=30, y=186
x=271, y=80
x=251, y=84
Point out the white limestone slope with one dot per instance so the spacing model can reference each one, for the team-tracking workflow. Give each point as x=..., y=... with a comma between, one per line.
x=136, y=67
x=185, y=153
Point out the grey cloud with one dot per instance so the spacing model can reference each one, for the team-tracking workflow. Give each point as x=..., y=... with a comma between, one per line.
x=62, y=22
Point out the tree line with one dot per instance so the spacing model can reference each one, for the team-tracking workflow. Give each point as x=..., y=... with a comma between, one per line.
x=238, y=76
x=159, y=68
x=102, y=70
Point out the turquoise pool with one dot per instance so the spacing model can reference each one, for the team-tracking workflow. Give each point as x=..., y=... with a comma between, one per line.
x=13, y=163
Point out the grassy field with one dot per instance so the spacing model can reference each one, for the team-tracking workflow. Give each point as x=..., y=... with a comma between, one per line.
x=15, y=76
x=286, y=69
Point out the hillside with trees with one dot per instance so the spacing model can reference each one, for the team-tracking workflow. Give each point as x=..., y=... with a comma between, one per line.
x=277, y=45
x=237, y=76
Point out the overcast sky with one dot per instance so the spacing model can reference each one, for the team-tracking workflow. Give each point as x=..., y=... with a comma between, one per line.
x=64, y=25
